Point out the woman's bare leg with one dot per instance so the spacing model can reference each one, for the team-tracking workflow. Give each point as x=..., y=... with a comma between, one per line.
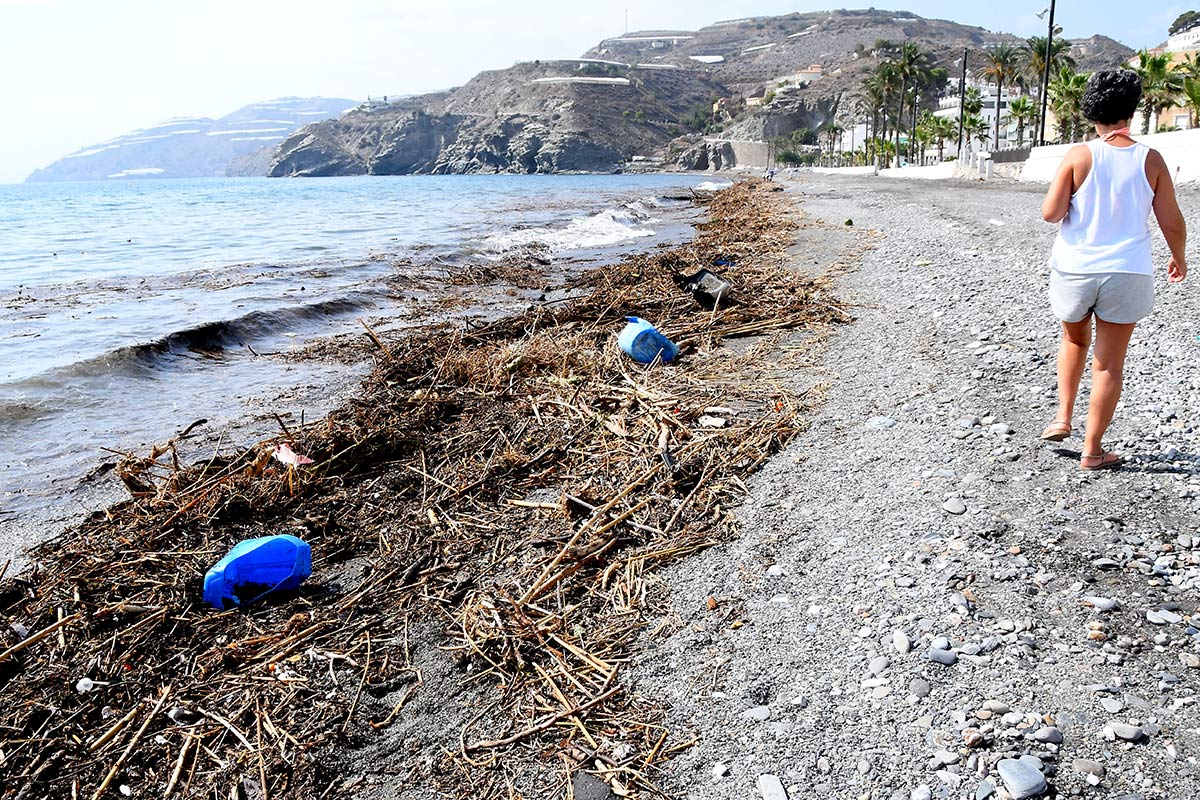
x=1108, y=371
x=1072, y=358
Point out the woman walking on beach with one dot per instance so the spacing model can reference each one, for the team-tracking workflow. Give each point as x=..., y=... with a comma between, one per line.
x=1101, y=262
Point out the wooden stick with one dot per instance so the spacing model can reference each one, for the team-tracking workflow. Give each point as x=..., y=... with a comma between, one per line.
x=112, y=772
x=37, y=637
x=544, y=724
x=114, y=730
x=217, y=718
x=187, y=742
x=537, y=587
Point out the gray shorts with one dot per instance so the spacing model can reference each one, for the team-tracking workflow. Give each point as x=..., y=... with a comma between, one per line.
x=1121, y=298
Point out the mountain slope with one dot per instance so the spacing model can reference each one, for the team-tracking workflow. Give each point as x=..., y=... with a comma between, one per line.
x=192, y=147
x=636, y=95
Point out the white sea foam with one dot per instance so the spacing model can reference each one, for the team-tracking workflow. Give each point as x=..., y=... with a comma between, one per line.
x=712, y=186
x=609, y=227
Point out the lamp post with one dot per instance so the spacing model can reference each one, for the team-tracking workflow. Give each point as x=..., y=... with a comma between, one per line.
x=962, y=102
x=1046, y=77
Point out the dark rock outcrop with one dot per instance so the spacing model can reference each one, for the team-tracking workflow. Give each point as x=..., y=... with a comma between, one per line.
x=540, y=117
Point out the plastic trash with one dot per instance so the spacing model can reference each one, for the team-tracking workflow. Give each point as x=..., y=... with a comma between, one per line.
x=255, y=568
x=642, y=342
x=708, y=288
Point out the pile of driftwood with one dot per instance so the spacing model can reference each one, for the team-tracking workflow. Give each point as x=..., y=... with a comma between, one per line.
x=513, y=485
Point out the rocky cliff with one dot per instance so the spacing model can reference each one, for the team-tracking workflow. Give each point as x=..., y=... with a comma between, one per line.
x=195, y=147
x=561, y=116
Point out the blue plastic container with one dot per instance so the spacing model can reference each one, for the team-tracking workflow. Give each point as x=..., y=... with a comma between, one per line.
x=255, y=568
x=642, y=342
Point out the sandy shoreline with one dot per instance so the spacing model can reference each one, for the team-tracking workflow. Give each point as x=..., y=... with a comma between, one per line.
x=446, y=488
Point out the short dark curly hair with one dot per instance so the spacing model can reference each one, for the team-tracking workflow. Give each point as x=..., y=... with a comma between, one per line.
x=1111, y=96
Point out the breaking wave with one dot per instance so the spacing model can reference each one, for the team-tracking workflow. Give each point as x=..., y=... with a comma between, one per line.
x=211, y=338
x=603, y=229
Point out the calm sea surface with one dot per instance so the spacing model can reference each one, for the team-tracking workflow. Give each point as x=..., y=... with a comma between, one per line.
x=130, y=309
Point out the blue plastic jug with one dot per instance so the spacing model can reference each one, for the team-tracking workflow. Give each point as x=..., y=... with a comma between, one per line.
x=642, y=342
x=255, y=568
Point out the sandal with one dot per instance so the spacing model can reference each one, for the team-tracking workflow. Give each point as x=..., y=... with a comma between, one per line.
x=1103, y=460
x=1056, y=431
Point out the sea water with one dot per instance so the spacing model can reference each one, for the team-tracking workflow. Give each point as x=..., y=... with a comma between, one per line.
x=130, y=309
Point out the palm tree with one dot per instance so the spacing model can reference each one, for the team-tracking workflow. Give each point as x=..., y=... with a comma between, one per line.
x=912, y=66
x=941, y=129
x=1035, y=56
x=1024, y=111
x=972, y=100
x=885, y=149
x=1003, y=64
x=1161, y=85
x=875, y=99
x=976, y=128
x=833, y=132
x=1191, y=91
x=1066, y=96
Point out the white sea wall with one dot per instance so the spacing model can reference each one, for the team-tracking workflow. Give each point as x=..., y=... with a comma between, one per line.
x=845, y=170
x=936, y=172
x=1180, y=149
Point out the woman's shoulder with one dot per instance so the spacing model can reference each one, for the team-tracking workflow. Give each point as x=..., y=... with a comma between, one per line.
x=1080, y=152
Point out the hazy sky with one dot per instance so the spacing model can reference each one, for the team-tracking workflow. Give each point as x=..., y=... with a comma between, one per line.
x=75, y=72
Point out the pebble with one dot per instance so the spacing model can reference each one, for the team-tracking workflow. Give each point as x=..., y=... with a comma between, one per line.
x=922, y=792
x=1001, y=429
x=85, y=685
x=1021, y=778
x=720, y=770
x=1121, y=730
x=955, y=506
x=919, y=687
x=881, y=423
x=1163, y=617
x=1048, y=735
x=878, y=665
x=946, y=757
x=1101, y=603
x=758, y=713
x=984, y=790
x=1111, y=705
x=901, y=642
x=943, y=657
x=771, y=788
x=1088, y=767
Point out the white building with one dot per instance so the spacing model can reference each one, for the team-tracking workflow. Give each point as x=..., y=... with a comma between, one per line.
x=801, y=77
x=948, y=107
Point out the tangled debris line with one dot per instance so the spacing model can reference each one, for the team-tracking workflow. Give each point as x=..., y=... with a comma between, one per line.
x=514, y=486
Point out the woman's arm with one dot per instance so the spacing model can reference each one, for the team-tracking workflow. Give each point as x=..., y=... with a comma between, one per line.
x=1170, y=218
x=1065, y=183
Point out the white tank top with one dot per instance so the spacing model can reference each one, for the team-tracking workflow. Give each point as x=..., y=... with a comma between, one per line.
x=1107, y=228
